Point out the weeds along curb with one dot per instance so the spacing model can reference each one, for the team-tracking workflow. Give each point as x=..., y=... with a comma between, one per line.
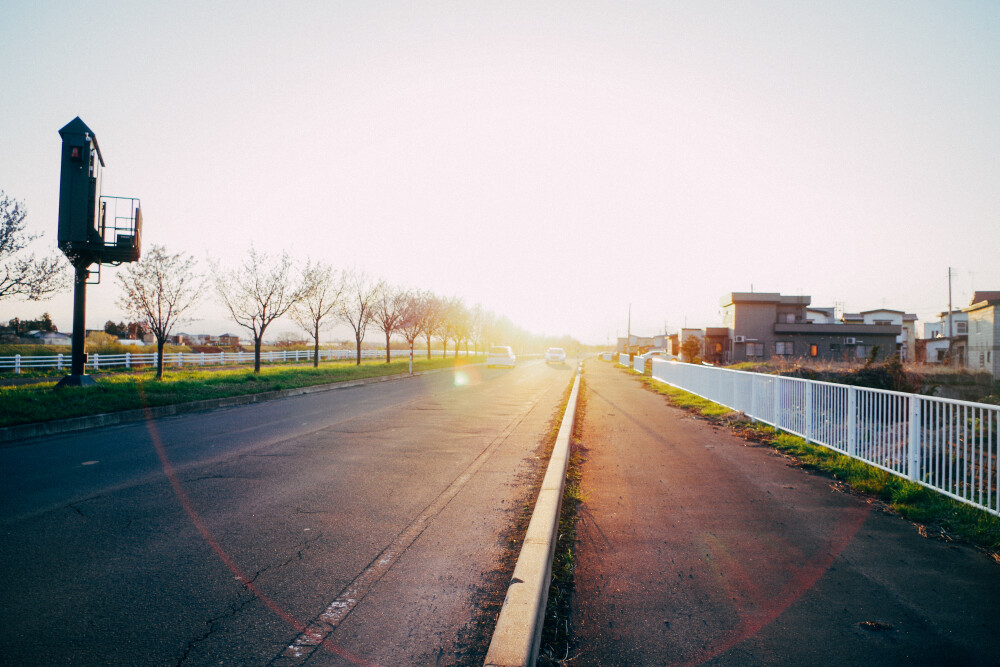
x=11, y=436
x=519, y=628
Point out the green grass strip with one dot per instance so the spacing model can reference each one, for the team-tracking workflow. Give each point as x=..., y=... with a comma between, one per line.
x=939, y=514
x=27, y=404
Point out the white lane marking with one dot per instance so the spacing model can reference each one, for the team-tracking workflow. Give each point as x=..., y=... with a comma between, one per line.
x=318, y=630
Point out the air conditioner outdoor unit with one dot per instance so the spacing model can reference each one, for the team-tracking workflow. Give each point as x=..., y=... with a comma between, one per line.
x=741, y=339
x=850, y=341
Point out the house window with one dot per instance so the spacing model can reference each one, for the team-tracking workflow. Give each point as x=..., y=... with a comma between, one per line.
x=861, y=351
x=814, y=350
x=785, y=349
x=789, y=318
x=755, y=349
x=961, y=328
x=883, y=321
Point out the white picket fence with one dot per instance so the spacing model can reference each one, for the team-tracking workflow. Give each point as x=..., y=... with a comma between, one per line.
x=96, y=361
x=950, y=446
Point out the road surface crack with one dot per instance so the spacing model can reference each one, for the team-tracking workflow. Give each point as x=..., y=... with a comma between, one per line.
x=244, y=598
x=212, y=625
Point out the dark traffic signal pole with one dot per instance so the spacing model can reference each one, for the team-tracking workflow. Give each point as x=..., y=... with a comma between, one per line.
x=85, y=235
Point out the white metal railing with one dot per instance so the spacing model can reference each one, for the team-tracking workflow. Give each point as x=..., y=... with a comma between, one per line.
x=947, y=445
x=97, y=361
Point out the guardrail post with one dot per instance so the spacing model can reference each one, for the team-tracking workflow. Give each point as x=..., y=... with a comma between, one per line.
x=809, y=411
x=777, y=403
x=59, y=361
x=913, y=442
x=17, y=364
x=180, y=359
x=97, y=361
x=128, y=360
x=222, y=358
x=156, y=360
x=753, y=398
x=201, y=362
x=852, y=421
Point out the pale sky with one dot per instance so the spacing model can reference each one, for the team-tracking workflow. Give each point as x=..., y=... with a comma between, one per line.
x=553, y=161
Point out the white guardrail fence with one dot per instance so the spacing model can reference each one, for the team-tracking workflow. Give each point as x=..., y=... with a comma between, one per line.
x=96, y=361
x=950, y=446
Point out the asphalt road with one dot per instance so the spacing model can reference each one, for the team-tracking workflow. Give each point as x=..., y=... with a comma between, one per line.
x=697, y=547
x=355, y=526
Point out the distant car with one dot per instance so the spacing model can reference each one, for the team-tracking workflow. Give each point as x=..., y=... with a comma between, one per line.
x=555, y=355
x=500, y=355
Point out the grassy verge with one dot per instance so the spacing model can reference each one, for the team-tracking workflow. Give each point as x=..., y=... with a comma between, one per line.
x=556, y=638
x=936, y=514
x=40, y=402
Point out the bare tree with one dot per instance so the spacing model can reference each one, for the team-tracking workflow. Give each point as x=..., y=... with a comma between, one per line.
x=357, y=306
x=411, y=322
x=456, y=322
x=433, y=313
x=322, y=290
x=499, y=331
x=257, y=293
x=25, y=276
x=388, y=313
x=157, y=290
x=448, y=324
x=477, y=324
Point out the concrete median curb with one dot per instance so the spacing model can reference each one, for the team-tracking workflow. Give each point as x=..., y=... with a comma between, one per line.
x=15, y=435
x=519, y=627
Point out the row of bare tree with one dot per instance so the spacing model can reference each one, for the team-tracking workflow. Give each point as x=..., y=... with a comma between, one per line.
x=161, y=287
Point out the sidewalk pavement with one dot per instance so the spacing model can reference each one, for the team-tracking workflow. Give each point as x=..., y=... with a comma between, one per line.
x=697, y=547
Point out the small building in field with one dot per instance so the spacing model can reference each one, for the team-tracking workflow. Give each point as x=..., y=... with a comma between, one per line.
x=228, y=340
x=48, y=338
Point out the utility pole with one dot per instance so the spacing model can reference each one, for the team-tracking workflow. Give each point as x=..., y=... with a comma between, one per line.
x=628, y=335
x=949, y=308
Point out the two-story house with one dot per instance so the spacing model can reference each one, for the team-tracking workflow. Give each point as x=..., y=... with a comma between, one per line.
x=765, y=324
x=905, y=342
x=983, y=343
x=946, y=339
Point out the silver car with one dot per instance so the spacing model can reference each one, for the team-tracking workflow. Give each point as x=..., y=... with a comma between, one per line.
x=555, y=355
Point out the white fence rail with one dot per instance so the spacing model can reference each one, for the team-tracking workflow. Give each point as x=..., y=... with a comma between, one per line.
x=947, y=445
x=96, y=361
